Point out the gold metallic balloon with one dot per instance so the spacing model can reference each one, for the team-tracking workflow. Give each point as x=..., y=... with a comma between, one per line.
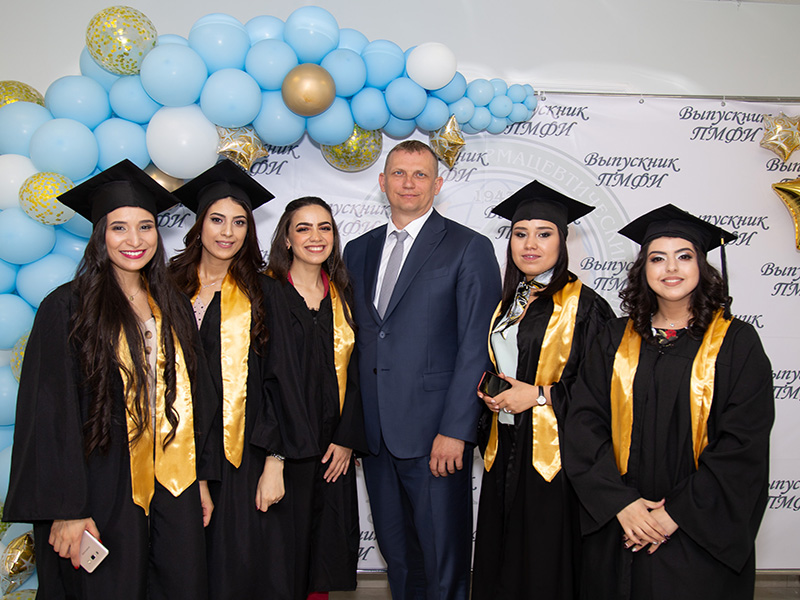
x=119, y=37
x=16, y=91
x=448, y=142
x=17, y=356
x=781, y=135
x=38, y=198
x=308, y=90
x=168, y=182
x=21, y=595
x=17, y=563
x=789, y=193
x=241, y=145
x=358, y=152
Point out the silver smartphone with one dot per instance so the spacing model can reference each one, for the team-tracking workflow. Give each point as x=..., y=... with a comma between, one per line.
x=92, y=552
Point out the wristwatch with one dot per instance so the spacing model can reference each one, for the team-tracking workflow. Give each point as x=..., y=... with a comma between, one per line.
x=541, y=400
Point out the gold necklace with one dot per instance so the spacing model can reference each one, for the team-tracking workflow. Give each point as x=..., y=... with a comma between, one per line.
x=131, y=297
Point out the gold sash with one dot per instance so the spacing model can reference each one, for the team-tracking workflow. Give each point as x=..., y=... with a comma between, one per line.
x=175, y=465
x=553, y=356
x=344, y=340
x=701, y=392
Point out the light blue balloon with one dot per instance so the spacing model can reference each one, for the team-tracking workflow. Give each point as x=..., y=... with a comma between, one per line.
x=333, y=126
x=497, y=125
x=463, y=110
x=79, y=98
x=269, y=62
x=466, y=128
x=480, y=91
x=171, y=38
x=528, y=89
x=8, y=396
x=312, y=32
x=173, y=75
x=516, y=92
x=90, y=68
x=16, y=319
x=481, y=119
x=453, y=91
x=500, y=86
x=118, y=139
x=406, y=54
x=369, y=109
x=129, y=100
x=18, y=122
x=351, y=39
x=6, y=436
x=221, y=45
x=399, y=128
x=37, y=279
x=22, y=239
x=64, y=146
x=405, y=98
x=518, y=113
x=501, y=106
x=264, y=27
x=276, y=125
x=5, y=473
x=80, y=226
x=68, y=244
x=8, y=276
x=385, y=62
x=347, y=69
x=530, y=102
x=216, y=19
x=230, y=98
x=434, y=115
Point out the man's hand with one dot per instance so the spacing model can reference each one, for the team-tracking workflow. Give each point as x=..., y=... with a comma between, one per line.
x=446, y=456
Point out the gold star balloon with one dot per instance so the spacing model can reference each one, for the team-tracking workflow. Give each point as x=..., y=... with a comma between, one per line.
x=17, y=562
x=789, y=193
x=16, y=91
x=781, y=134
x=356, y=153
x=447, y=142
x=242, y=145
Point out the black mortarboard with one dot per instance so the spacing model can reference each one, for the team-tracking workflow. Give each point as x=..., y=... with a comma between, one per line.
x=124, y=184
x=223, y=180
x=537, y=201
x=671, y=221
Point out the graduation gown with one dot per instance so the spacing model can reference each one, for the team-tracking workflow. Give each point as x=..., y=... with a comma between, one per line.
x=238, y=535
x=157, y=556
x=527, y=542
x=717, y=505
x=317, y=536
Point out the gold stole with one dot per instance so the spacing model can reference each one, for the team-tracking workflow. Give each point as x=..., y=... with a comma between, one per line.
x=234, y=337
x=175, y=465
x=701, y=392
x=344, y=340
x=553, y=356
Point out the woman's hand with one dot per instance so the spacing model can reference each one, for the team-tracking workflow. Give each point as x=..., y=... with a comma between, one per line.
x=339, y=458
x=640, y=525
x=65, y=537
x=519, y=398
x=667, y=524
x=205, y=502
x=270, y=488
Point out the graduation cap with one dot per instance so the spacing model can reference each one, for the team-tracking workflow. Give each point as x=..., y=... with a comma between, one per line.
x=124, y=184
x=537, y=201
x=223, y=180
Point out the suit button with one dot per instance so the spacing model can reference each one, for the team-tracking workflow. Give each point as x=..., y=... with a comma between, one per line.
x=381, y=335
x=374, y=371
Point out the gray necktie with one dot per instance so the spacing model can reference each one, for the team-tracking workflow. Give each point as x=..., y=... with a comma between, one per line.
x=392, y=270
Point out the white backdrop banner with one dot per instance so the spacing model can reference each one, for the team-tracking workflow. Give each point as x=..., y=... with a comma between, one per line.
x=625, y=155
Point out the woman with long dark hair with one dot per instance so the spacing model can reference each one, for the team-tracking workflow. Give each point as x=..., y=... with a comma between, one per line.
x=318, y=517
x=113, y=420
x=668, y=432
x=241, y=316
x=527, y=540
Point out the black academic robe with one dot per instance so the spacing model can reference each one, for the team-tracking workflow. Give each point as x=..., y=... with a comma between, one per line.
x=528, y=541
x=717, y=505
x=238, y=535
x=155, y=557
x=317, y=528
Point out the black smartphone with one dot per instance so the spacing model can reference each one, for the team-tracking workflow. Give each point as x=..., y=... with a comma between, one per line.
x=492, y=385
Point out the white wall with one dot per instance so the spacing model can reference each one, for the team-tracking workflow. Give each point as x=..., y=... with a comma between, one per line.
x=694, y=47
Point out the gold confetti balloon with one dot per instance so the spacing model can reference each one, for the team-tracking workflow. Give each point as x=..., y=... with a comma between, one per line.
x=21, y=595
x=17, y=356
x=789, y=193
x=38, y=198
x=16, y=91
x=119, y=37
x=241, y=145
x=358, y=152
x=17, y=563
x=448, y=142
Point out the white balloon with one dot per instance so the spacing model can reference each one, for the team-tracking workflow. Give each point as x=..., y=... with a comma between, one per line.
x=181, y=141
x=14, y=170
x=431, y=65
